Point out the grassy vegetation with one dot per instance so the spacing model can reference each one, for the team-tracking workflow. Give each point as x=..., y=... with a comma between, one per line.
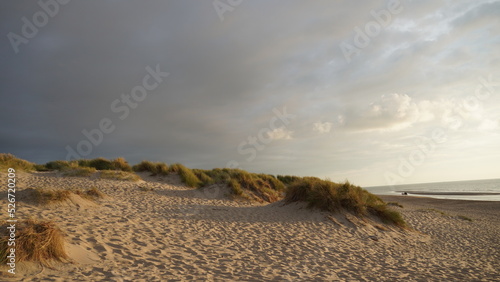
x=11, y=161
x=155, y=168
x=288, y=179
x=187, y=175
x=46, y=196
x=119, y=175
x=323, y=194
x=78, y=171
x=252, y=186
x=43, y=196
x=91, y=194
x=105, y=164
x=36, y=241
x=60, y=165
x=330, y=196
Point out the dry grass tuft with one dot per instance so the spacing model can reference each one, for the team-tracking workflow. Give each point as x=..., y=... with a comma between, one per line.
x=45, y=196
x=330, y=196
x=251, y=186
x=48, y=196
x=11, y=161
x=187, y=175
x=78, y=171
x=36, y=241
x=119, y=175
x=91, y=194
x=155, y=168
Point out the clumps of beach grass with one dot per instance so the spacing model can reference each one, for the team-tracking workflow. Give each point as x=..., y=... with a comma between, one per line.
x=11, y=161
x=105, y=164
x=78, y=171
x=36, y=241
x=60, y=165
x=119, y=175
x=187, y=175
x=288, y=179
x=242, y=184
x=43, y=196
x=48, y=196
x=251, y=186
x=90, y=194
x=155, y=168
x=334, y=197
x=204, y=178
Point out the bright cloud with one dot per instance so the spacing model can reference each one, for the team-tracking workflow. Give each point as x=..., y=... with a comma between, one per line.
x=322, y=128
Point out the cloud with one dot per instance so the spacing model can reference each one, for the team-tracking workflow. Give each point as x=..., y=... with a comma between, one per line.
x=488, y=125
x=280, y=133
x=391, y=112
x=322, y=128
x=226, y=77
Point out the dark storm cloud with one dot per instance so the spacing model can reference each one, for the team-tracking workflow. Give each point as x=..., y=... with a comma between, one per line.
x=226, y=77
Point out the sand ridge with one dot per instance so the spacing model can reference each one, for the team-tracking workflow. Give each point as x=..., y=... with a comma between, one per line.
x=158, y=229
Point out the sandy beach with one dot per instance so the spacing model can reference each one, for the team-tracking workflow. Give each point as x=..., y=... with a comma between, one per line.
x=159, y=230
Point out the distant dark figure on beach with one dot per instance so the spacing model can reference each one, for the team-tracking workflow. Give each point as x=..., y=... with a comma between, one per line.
x=404, y=193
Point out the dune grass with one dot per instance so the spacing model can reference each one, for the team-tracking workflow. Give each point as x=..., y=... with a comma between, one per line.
x=157, y=168
x=119, y=175
x=44, y=196
x=36, y=241
x=252, y=186
x=334, y=197
x=187, y=175
x=288, y=179
x=90, y=194
x=60, y=165
x=78, y=171
x=48, y=196
x=11, y=161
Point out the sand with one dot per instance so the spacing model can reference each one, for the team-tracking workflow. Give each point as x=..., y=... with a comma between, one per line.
x=159, y=230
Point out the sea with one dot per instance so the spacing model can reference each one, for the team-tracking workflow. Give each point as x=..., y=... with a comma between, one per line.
x=476, y=190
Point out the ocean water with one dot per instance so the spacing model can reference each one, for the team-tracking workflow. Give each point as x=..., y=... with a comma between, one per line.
x=478, y=190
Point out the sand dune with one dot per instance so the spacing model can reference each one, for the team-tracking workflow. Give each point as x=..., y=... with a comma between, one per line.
x=157, y=229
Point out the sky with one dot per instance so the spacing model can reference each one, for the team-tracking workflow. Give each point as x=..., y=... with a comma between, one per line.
x=379, y=93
